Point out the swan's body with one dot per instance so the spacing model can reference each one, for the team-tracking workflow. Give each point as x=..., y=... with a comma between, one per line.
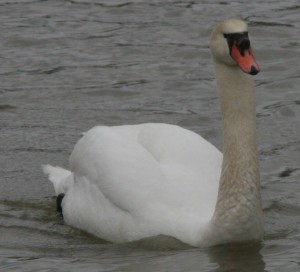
x=131, y=182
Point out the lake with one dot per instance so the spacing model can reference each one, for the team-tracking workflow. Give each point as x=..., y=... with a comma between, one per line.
x=67, y=66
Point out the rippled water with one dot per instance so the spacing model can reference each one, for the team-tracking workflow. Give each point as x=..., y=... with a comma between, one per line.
x=69, y=65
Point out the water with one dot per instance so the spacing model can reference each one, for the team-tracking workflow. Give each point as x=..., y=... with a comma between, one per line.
x=69, y=65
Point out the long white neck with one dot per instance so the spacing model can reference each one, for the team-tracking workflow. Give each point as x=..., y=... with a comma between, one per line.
x=238, y=213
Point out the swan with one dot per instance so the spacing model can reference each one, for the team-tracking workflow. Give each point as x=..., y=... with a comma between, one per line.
x=131, y=182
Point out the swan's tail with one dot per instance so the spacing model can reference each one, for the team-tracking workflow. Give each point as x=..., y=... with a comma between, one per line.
x=60, y=178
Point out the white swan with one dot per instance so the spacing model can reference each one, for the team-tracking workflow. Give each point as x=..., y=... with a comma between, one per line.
x=130, y=182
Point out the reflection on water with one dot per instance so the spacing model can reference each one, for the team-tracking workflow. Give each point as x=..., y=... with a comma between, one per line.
x=69, y=65
x=238, y=257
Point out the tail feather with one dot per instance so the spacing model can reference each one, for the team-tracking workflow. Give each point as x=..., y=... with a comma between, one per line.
x=60, y=178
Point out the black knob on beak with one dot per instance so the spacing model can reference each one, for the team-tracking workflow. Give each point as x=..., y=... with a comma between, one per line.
x=243, y=44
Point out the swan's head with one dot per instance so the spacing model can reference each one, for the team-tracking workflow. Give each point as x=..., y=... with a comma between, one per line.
x=230, y=44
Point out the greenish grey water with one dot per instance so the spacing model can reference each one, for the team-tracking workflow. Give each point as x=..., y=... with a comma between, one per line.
x=69, y=65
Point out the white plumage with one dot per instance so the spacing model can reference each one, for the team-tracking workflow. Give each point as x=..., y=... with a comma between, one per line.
x=126, y=183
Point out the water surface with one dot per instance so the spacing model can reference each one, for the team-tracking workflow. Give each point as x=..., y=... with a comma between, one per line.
x=69, y=65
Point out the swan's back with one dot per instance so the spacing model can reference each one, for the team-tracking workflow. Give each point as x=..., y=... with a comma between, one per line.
x=145, y=177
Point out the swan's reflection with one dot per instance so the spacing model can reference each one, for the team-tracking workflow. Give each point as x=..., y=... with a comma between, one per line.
x=238, y=257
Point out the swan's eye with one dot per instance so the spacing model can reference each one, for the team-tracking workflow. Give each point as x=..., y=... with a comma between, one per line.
x=236, y=36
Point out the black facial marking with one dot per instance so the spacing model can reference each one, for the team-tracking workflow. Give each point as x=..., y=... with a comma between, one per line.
x=241, y=39
x=236, y=36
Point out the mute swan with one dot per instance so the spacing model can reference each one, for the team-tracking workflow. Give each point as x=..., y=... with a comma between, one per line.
x=127, y=183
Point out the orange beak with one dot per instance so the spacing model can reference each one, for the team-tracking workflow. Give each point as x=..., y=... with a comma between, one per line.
x=244, y=58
